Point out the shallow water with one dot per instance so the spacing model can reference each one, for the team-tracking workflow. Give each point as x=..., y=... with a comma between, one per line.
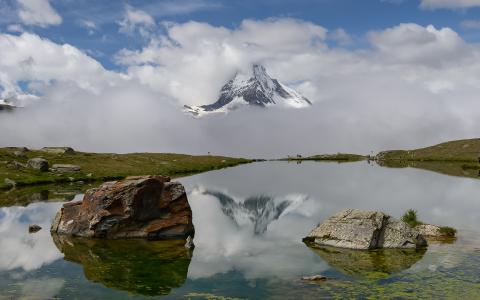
x=249, y=223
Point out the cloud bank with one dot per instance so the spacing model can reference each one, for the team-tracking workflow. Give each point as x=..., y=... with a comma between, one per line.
x=412, y=86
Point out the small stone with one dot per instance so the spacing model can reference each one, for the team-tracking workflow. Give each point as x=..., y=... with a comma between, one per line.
x=20, y=154
x=65, y=168
x=189, y=244
x=38, y=163
x=89, y=175
x=34, y=228
x=314, y=278
x=15, y=165
x=10, y=183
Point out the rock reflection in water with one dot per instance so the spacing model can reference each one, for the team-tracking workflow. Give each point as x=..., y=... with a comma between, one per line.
x=371, y=264
x=24, y=196
x=137, y=266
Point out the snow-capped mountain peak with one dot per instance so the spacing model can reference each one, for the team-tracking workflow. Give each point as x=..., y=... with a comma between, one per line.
x=254, y=88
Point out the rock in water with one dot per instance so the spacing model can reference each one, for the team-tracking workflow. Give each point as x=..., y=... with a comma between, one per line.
x=314, y=278
x=38, y=163
x=34, y=228
x=435, y=231
x=149, y=207
x=360, y=229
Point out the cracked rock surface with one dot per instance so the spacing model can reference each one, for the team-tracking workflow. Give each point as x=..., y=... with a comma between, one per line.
x=362, y=229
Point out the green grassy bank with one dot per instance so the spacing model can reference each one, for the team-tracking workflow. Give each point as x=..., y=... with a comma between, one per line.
x=106, y=166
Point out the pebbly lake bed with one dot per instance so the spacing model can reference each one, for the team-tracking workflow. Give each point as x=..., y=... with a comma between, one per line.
x=249, y=222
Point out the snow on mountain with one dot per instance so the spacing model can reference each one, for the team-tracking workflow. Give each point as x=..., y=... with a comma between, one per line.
x=14, y=101
x=255, y=88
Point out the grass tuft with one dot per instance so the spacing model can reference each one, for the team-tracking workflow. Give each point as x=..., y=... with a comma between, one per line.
x=410, y=217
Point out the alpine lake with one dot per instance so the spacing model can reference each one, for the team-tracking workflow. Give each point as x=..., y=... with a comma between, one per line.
x=249, y=222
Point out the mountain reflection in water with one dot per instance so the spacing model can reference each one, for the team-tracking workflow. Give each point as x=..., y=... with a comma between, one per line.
x=260, y=210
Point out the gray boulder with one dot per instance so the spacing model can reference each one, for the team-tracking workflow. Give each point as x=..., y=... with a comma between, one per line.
x=58, y=150
x=65, y=168
x=38, y=163
x=361, y=229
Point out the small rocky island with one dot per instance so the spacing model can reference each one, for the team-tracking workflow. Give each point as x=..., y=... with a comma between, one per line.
x=148, y=207
x=361, y=229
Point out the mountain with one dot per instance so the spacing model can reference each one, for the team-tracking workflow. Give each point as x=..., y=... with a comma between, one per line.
x=256, y=88
x=6, y=105
x=15, y=101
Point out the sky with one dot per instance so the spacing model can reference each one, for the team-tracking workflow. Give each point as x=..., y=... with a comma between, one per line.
x=113, y=75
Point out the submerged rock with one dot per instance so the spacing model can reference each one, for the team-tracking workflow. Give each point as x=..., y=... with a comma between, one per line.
x=65, y=168
x=34, y=228
x=360, y=229
x=38, y=163
x=149, y=207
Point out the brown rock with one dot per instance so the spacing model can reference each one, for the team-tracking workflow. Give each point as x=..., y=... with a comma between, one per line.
x=138, y=207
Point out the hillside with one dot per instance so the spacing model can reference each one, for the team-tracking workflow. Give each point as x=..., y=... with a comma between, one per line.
x=338, y=157
x=104, y=166
x=460, y=150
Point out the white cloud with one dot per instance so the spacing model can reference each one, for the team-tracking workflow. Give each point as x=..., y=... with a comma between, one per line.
x=193, y=54
x=89, y=25
x=415, y=86
x=136, y=19
x=471, y=24
x=449, y=4
x=38, y=12
x=180, y=7
x=31, y=58
x=340, y=36
x=412, y=43
x=15, y=28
